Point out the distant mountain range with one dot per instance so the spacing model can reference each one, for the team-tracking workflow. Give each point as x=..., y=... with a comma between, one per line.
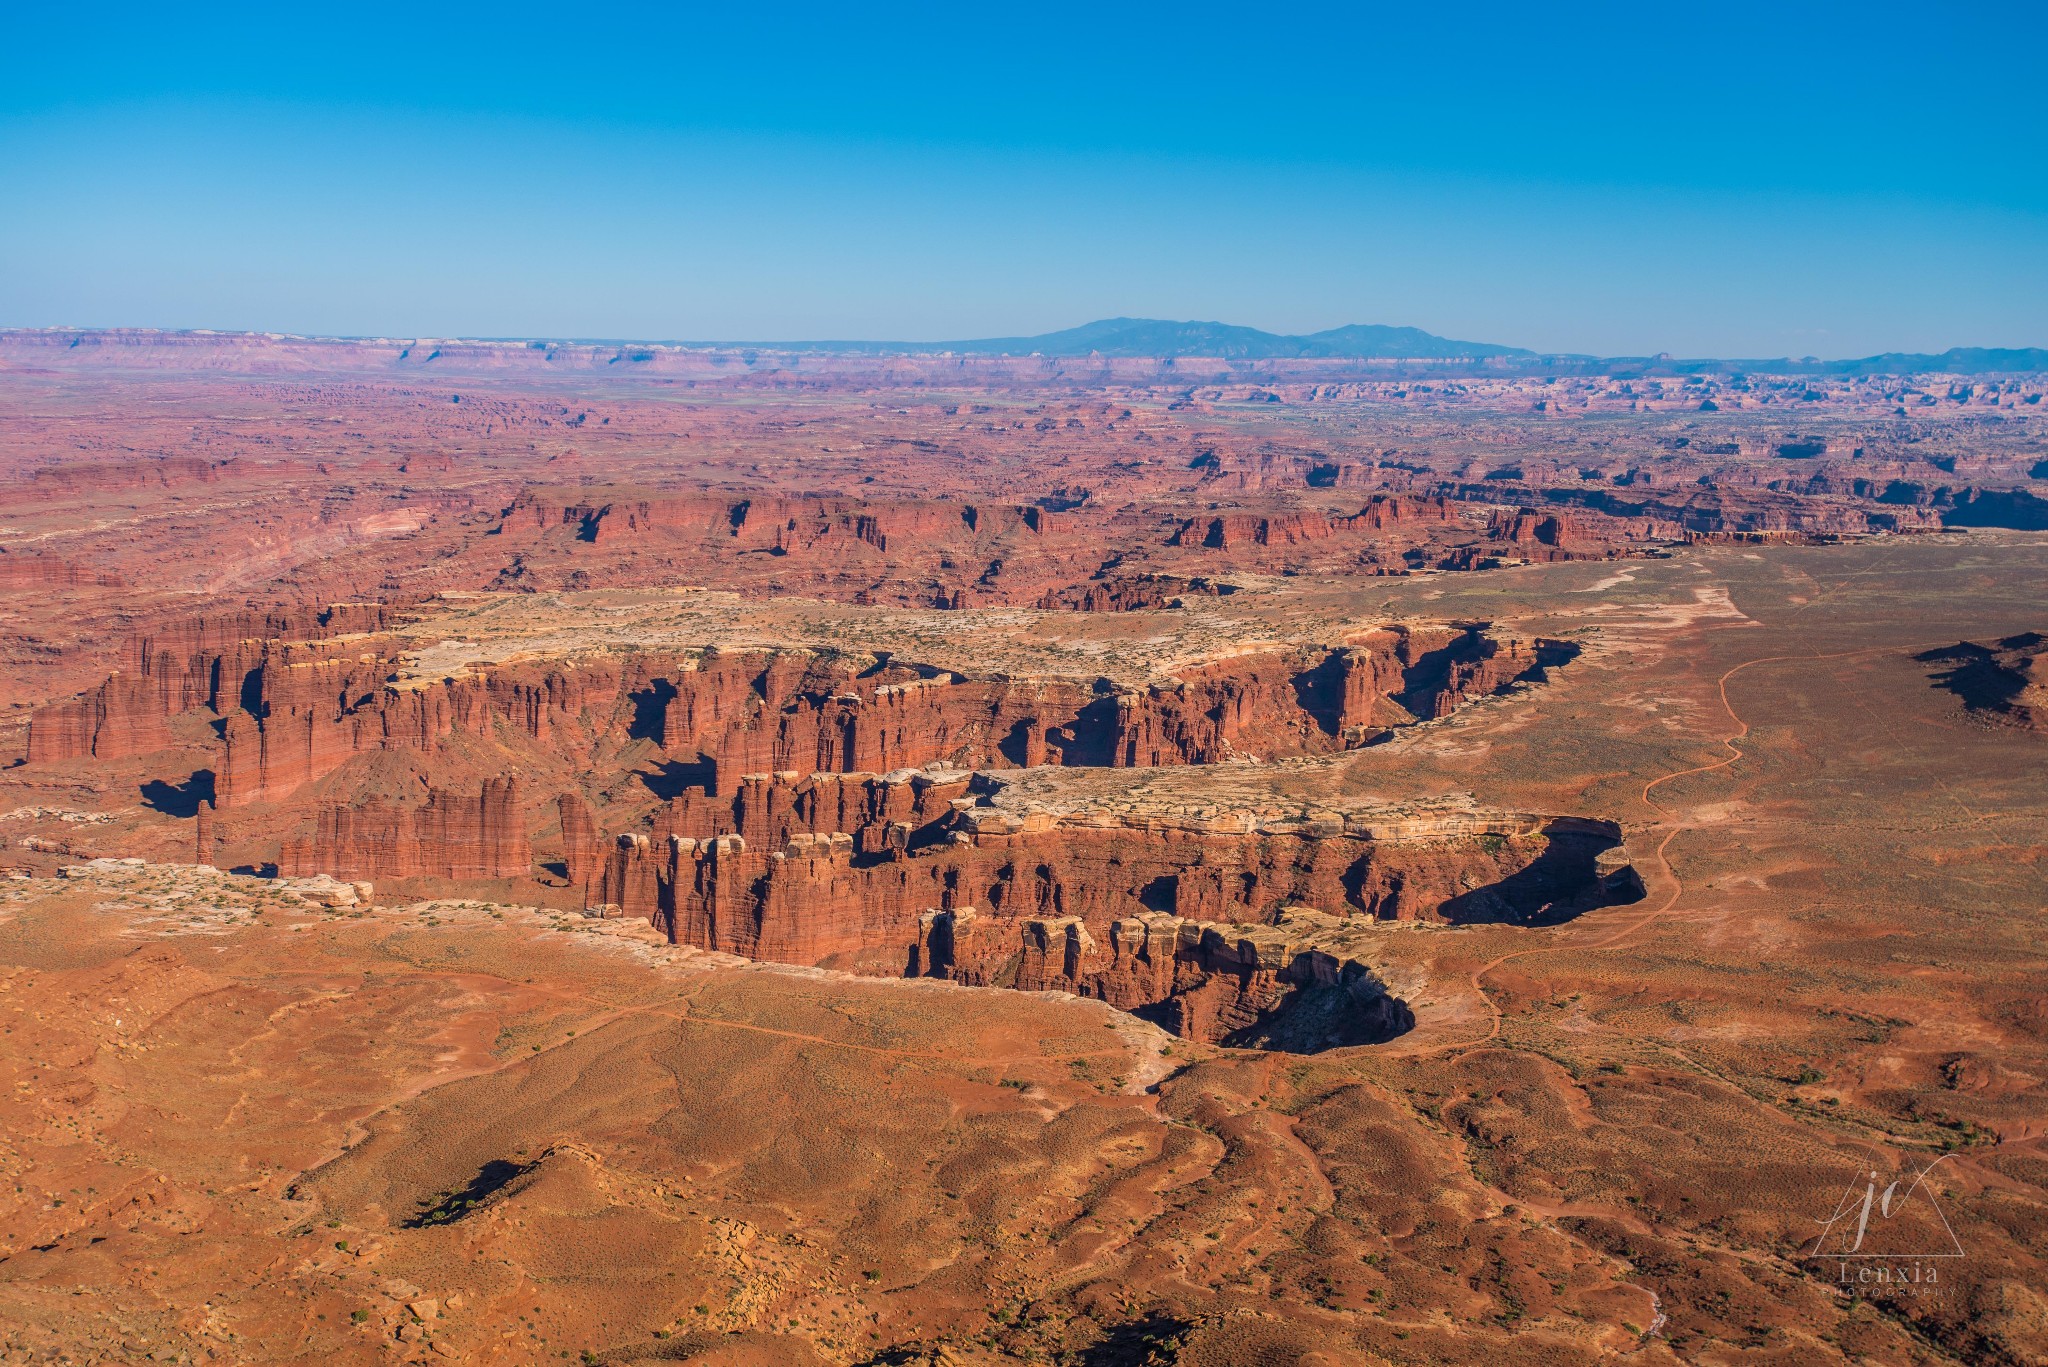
x=1160, y=337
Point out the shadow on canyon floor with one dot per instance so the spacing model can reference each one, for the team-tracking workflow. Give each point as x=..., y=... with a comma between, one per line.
x=180, y=800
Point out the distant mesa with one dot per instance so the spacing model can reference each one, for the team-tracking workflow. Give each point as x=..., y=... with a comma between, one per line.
x=1129, y=337
x=1167, y=339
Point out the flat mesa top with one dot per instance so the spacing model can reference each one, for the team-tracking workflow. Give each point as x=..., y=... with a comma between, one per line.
x=459, y=632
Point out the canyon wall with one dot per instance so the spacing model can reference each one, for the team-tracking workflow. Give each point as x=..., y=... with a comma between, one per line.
x=948, y=552
x=1198, y=925
x=216, y=661
x=855, y=897
x=459, y=836
x=1260, y=986
x=294, y=708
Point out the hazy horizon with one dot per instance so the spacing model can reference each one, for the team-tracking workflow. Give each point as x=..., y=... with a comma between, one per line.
x=908, y=343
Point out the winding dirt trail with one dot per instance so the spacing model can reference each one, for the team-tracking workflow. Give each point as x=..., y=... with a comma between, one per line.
x=1676, y=881
x=1669, y=873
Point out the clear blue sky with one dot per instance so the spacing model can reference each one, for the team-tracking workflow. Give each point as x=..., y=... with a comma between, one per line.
x=1733, y=179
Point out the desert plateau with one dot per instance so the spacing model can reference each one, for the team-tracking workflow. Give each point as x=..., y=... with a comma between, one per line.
x=560, y=852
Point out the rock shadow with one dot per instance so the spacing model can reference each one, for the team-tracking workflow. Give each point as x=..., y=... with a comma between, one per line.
x=1975, y=673
x=179, y=799
x=1089, y=740
x=1565, y=881
x=1136, y=1343
x=650, y=710
x=1319, y=692
x=1357, y=1009
x=2012, y=509
x=492, y=1178
x=671, y=778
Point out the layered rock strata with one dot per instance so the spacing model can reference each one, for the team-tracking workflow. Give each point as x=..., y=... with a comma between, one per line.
x=219, y=662
x=1202, y=923
x=1286, y=986
x=293, y=709
x=853, y=898
x=459, y=836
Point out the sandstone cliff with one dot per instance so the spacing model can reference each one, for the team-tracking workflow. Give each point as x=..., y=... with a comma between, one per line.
x=452, y=835
x=294, y=708
x=1282, y=986
x=854, y=898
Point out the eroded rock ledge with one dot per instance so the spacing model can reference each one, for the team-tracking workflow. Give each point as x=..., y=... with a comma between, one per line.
x=294, y=707
x=1215, y=922
x=1124, y=838
x=1293, y=985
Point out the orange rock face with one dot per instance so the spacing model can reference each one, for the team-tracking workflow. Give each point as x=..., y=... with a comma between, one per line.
x=1220, y=984
x=817, y=898
x=457, y=836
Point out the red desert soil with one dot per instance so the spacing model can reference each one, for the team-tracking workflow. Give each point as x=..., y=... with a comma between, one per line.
x=784, y=860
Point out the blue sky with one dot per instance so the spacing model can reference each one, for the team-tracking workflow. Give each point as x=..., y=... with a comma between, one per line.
x=1746, y=180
